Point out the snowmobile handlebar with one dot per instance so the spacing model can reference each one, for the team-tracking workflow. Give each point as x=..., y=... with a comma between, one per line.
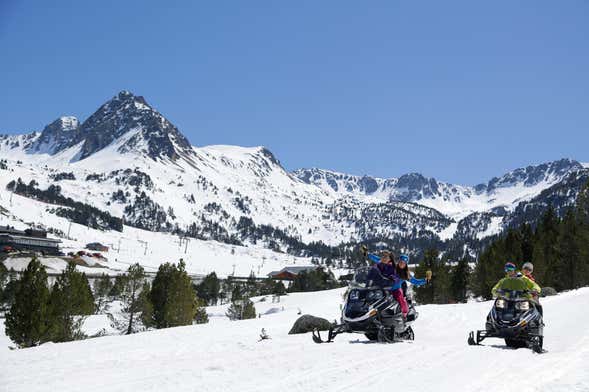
x=514, y=294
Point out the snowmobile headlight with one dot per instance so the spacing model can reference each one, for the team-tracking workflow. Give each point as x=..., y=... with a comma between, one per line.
x=522, y=305
x=374, y=295
x=354, y=294
x=500, y=304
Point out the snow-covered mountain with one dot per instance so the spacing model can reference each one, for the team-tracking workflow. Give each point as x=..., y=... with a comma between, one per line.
x=127, y=159
x=456, y=201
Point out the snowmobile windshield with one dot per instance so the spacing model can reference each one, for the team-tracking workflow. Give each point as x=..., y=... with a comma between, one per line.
x=513, y=295
x=360, y=278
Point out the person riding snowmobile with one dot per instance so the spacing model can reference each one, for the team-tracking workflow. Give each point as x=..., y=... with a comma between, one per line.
x=514, y=316
x=383, y=272
x=397, y=275
x=402, y=271
x=513, y=282
x=527, y=270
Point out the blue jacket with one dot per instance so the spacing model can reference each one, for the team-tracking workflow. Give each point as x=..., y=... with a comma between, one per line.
x=412, y=279
x=397, y=282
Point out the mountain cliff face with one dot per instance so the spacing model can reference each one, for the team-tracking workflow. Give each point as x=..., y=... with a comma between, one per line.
x=146, y=130
x=57, y=136
x=126, y=120
x=129, y=160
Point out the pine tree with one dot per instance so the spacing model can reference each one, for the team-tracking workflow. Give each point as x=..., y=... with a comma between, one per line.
x=70, y=300
x=300, y=282
x=459, y=278
x=173, y=299
x=27, y=321
x=318, y=279
x=581, y=270
x=582, y=205
x=489, y=268
x=209, y=289
x=146, y=306
x=278, y=288
x=252, y=285
x=102, y=288
x=3, y=280
x=236, y=293
x=438, y=291
x=201, y=316
x=241, y=309
x=249, y=310
x=9, y=291
x=548, y=263
x=527, y=242
x=570, y=273
x=133, y=282
x=117, y=288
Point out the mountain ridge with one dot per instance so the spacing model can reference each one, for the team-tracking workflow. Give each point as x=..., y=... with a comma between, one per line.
x=135, y=163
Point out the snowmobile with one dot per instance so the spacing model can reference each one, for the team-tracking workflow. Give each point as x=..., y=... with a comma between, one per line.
x=515, y=318
x=372, y=311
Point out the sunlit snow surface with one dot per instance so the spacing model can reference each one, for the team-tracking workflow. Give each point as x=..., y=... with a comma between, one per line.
x=228, y=356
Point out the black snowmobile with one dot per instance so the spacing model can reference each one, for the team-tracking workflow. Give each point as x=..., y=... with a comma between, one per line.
x=515, y=318
x=372, y=311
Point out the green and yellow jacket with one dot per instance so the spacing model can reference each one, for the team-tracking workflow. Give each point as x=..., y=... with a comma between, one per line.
x=519, y=283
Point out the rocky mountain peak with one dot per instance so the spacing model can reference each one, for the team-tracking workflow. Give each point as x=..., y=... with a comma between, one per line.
x=57, y=136
x=414, y=186
x=148, y=131
x=532, y=175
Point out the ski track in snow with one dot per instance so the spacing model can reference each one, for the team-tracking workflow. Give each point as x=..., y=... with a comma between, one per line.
x=226, y=355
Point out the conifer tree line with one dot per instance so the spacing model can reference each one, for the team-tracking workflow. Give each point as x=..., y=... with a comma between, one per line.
x=37, y=313
x=214, y=291
x=557, y=247
x=450, y=279
x=41, y=314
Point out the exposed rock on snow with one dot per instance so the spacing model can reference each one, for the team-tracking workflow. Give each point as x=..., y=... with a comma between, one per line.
x=307, y=323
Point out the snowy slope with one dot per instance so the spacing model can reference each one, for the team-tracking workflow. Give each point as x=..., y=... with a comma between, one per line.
x=150, y=249
x=225, y=355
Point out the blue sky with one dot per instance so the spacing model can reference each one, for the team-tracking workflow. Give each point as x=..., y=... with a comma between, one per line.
x=458, y=90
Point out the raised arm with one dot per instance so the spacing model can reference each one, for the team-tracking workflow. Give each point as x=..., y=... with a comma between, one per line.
x=374, y=258
x=417, y=282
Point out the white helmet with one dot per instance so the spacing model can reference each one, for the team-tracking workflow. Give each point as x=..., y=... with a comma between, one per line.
x=529, y=266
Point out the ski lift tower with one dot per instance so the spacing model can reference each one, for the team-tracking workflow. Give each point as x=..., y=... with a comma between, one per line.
x=144, y=246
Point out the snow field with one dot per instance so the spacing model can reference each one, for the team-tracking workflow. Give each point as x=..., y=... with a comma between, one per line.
x=226, y=355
